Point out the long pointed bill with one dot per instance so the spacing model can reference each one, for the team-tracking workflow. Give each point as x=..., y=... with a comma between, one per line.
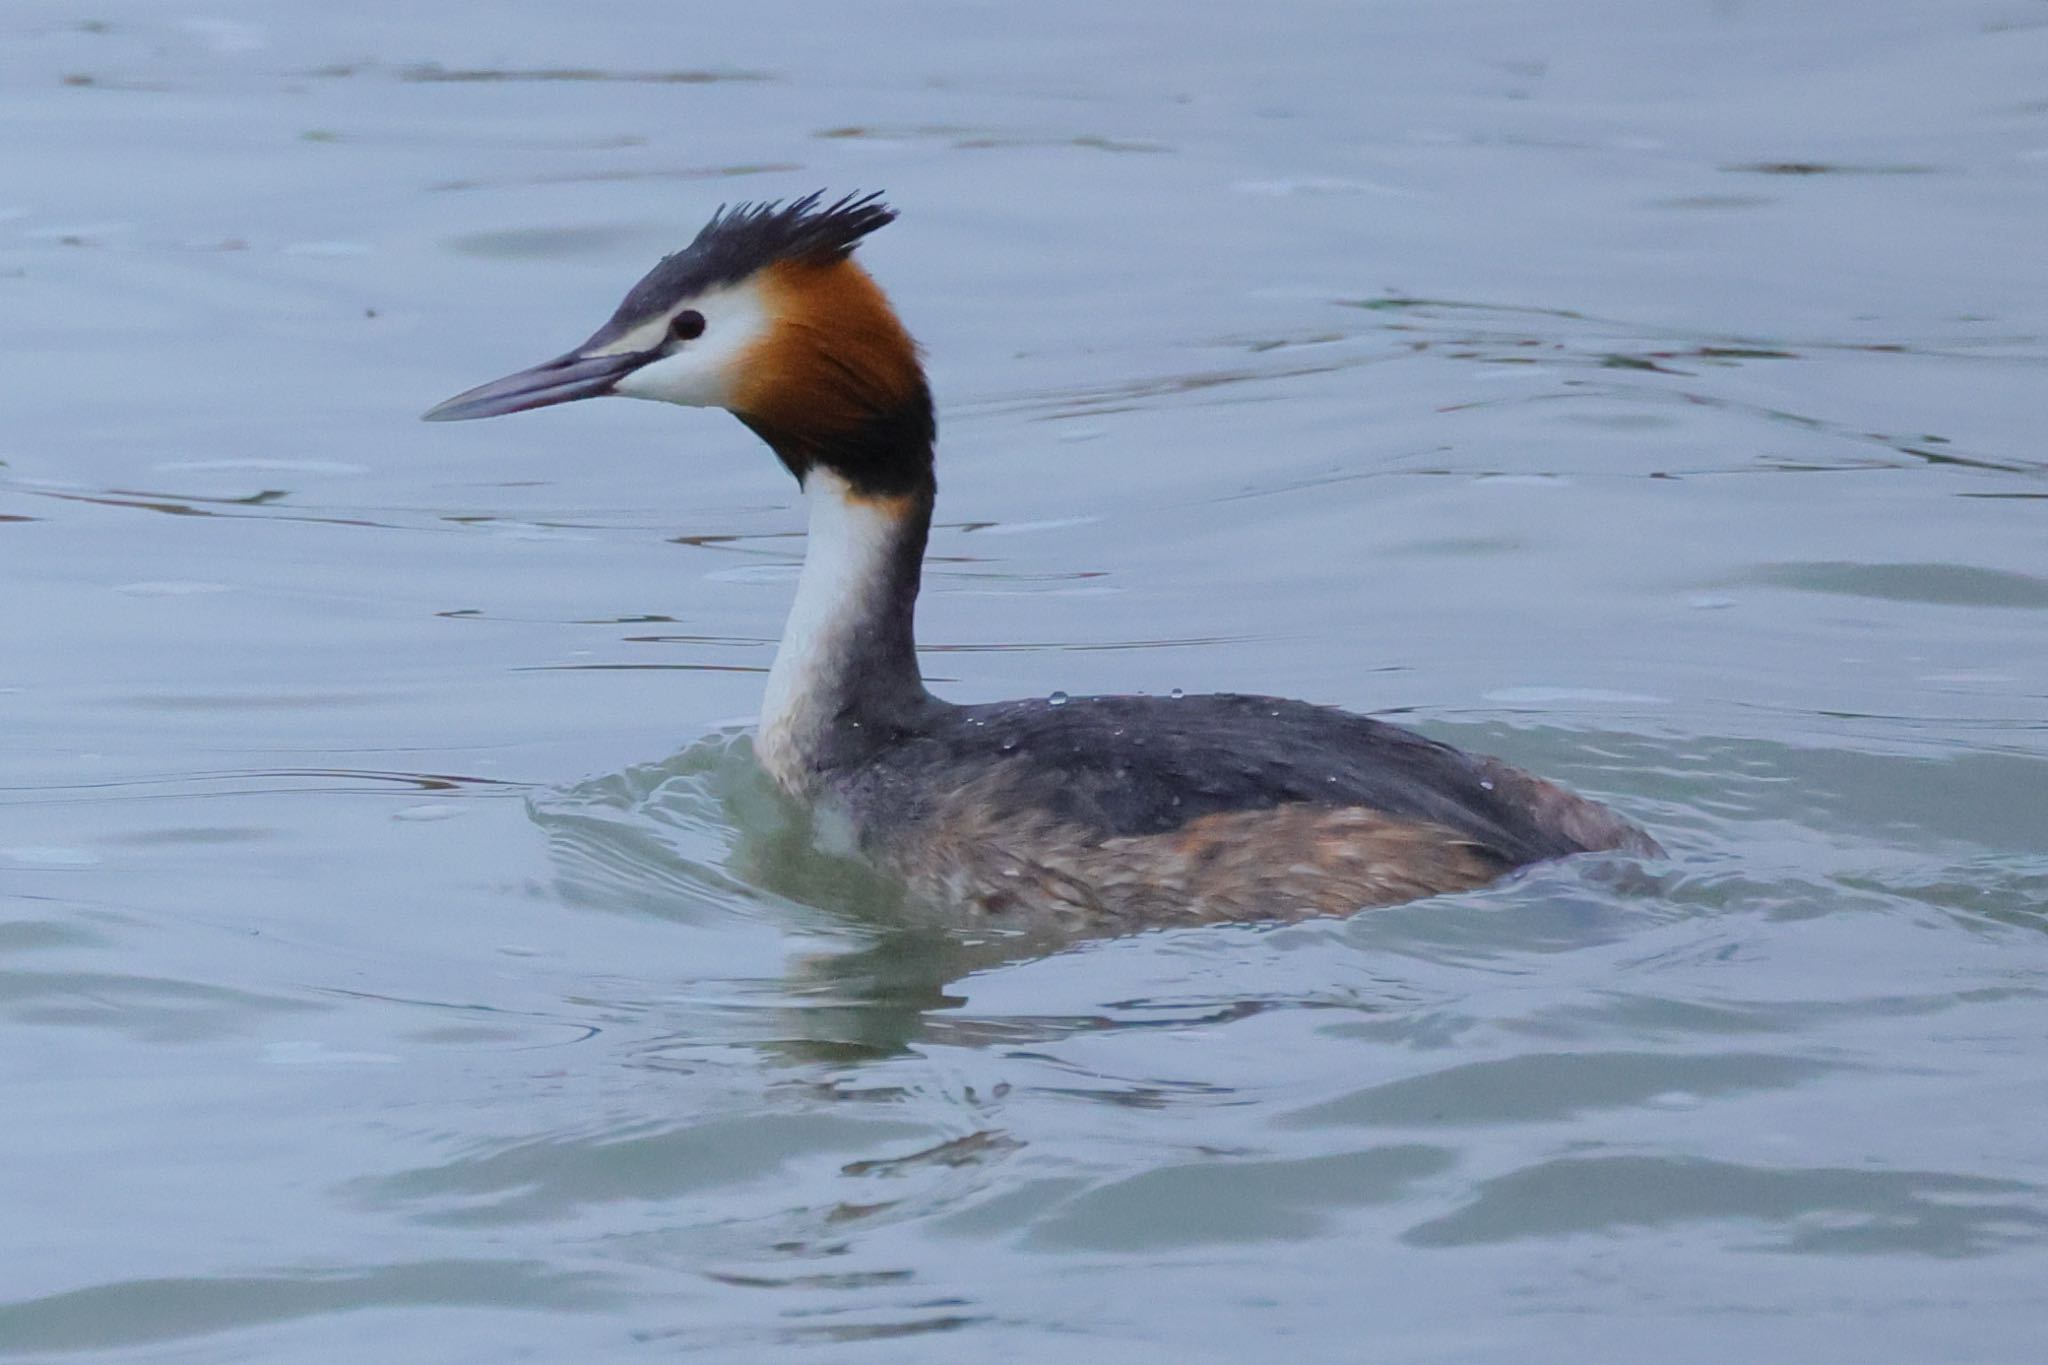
x=561, y=380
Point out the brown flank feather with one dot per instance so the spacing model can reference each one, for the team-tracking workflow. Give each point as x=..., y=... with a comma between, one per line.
x=1287, y=862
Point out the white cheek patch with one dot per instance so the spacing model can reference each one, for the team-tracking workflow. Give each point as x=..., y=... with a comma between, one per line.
x=698, y=373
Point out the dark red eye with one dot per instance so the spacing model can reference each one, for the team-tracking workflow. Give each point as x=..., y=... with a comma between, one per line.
x=687, y=325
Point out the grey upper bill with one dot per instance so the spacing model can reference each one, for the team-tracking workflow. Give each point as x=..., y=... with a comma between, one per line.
x=561, y=380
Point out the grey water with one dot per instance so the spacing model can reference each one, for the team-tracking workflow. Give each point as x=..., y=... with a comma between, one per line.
x=401, y=957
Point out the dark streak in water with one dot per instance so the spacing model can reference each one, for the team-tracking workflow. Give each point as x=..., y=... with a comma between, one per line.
x=1092, y=646
x=984, y=139
x=884, y=1331
x=1827, y=168
x=82, y=80
x=1099, y=402
x=182, y=786
x=607, y=176
x=579, y=1032
x=435, y=73
x=1402, y=303
x=178, y=505
x=634, y=668
x=1715, y=345
x=970, y=1149
x=724, y=641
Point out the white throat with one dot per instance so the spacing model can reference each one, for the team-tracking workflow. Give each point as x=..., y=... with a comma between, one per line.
x=849, y=549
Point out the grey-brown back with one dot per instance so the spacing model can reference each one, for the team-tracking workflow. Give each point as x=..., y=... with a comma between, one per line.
x=1122, y=767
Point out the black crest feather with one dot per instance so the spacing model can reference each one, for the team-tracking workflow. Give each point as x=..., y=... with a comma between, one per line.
x=743, y=238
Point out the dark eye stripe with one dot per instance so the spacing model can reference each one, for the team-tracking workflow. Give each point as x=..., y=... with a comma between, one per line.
x=687, y=325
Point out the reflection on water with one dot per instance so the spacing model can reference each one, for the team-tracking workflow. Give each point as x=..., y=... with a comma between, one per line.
x=1655, y=404
x=706, y=832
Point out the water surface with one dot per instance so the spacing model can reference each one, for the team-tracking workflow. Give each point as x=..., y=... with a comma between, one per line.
x=402, y=958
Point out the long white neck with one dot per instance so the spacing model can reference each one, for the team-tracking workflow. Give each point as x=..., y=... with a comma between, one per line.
x=846, y=670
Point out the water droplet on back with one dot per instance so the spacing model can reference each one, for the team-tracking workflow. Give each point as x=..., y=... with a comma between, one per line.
x=1057, y=699
x=1176, y=694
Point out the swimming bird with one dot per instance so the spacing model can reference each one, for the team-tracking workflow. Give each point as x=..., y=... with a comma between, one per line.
x=1091, y=813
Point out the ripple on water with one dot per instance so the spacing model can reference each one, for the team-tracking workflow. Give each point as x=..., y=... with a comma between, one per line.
x=130, y=1313
x=539, y=1179
x=1233, y=1200
x=1555, y=1087
x=143, y=1008
x=1812, y=1210
x=1956, y=585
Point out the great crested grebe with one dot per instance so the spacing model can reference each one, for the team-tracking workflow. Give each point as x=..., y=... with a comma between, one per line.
x=1092, y=813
